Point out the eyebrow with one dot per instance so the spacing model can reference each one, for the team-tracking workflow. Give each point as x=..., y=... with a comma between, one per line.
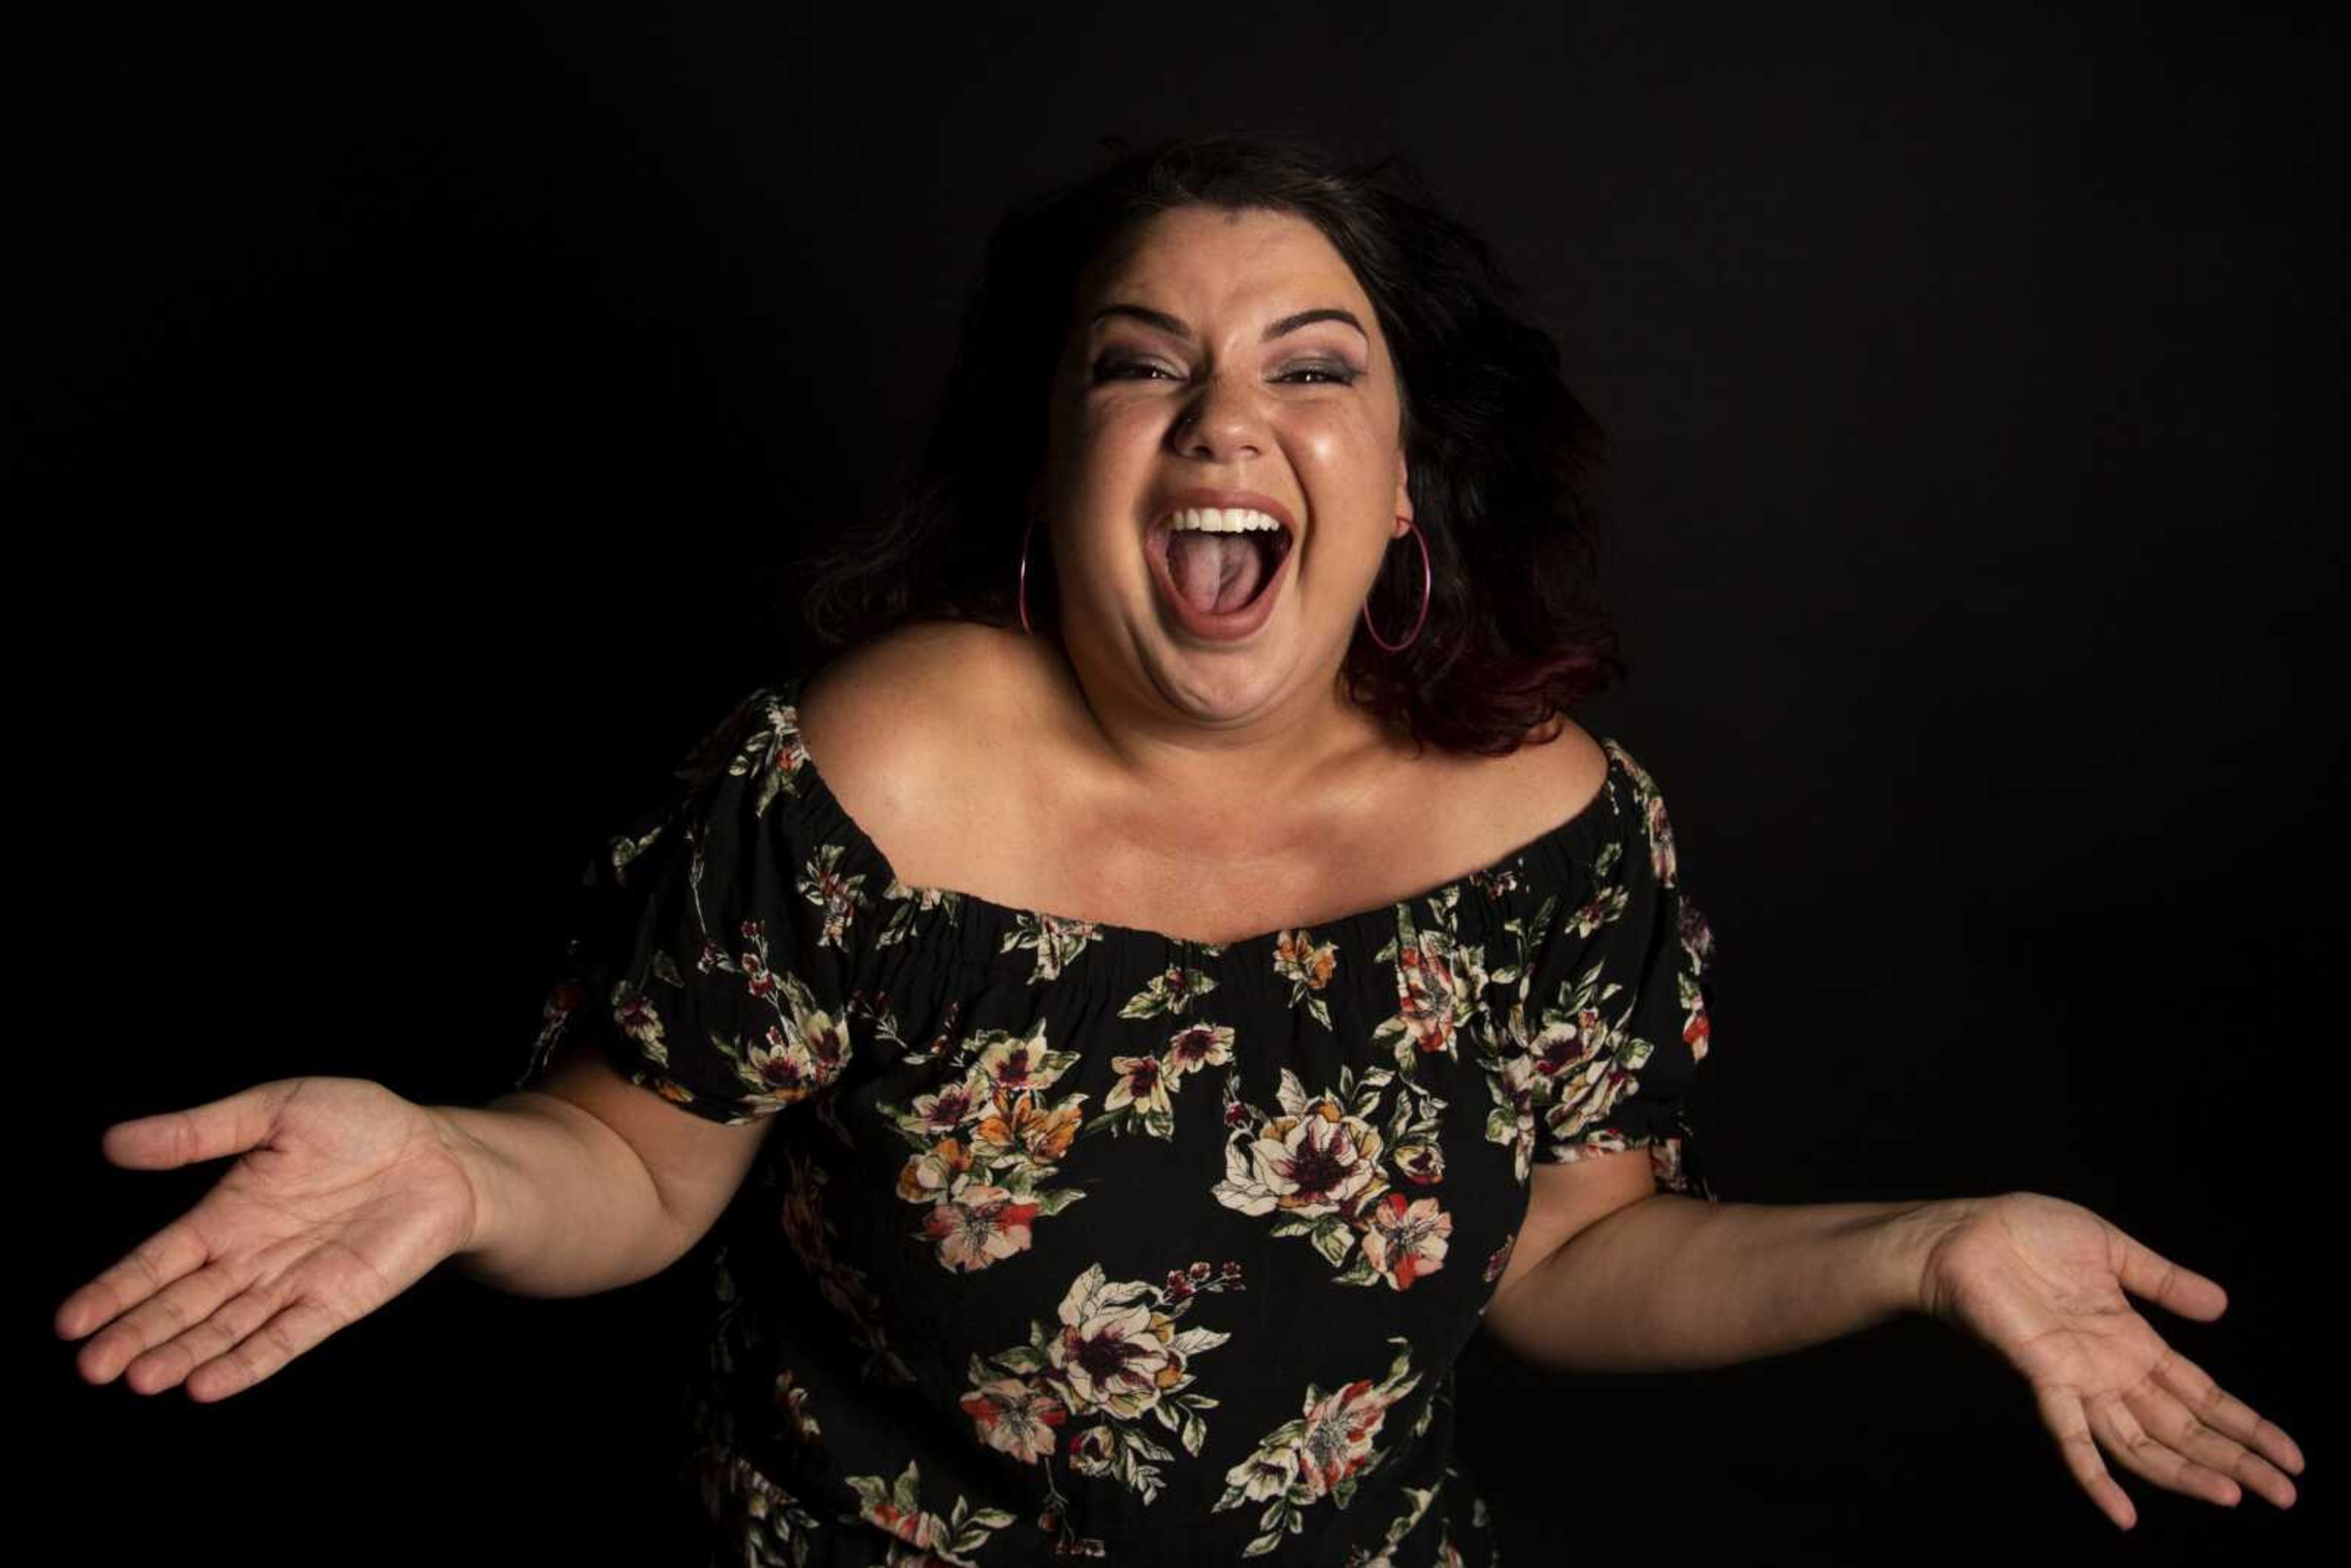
x=1175, y=325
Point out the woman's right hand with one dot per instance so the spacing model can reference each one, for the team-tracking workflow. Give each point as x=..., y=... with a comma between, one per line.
x=344, y=1195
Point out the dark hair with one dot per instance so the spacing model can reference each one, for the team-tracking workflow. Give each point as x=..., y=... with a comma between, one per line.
x=1501, y=454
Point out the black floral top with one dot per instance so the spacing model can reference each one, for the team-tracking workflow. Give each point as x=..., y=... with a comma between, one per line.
x=1080, y=1240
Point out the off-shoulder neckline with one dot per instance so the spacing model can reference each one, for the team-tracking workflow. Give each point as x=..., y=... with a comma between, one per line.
x=813, y=780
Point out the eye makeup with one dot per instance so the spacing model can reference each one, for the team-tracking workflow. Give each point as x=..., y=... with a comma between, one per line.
x=1116, y=367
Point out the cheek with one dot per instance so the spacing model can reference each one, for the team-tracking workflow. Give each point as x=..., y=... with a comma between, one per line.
x=1342, y=459
x=1108, y=439
x=1351, y=429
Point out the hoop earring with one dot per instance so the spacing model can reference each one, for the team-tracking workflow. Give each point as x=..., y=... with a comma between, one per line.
x=1024, y=577
x=1427, y=582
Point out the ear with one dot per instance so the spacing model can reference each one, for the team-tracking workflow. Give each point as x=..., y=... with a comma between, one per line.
x=1402, y=493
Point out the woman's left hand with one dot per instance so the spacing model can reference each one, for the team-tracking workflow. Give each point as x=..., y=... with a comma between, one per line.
x=2042, y=1280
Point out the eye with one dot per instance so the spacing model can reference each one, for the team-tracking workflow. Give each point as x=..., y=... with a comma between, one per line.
x=1140, y=369
x=1333, y=375
x=1115, y=369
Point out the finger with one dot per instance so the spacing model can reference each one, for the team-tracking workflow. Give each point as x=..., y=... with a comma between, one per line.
x=145, y=1269
x=131, y=1338
x=2231, y=1416
x=172, y=1362
x=2167, y=1416
x=2148, y=1273
x=262, y=1352
x=209, y=1131
x=2146, y=1455
x=2061, y=1412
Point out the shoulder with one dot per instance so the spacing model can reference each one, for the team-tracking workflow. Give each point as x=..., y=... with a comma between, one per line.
x=893, y=689
x=885, y=720
x=1561, y=765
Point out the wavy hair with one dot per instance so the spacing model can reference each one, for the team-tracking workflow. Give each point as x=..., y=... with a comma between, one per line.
x=1502, y=457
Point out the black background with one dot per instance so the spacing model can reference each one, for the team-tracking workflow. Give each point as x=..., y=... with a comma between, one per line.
x=413, y=417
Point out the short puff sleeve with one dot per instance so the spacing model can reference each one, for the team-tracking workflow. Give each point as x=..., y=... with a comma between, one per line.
x=1614, y=1011
x=713, y=950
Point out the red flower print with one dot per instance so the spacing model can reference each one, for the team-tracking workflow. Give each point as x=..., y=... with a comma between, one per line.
x=1016, y=1416
x=982, y=1226
x=1406, y=1240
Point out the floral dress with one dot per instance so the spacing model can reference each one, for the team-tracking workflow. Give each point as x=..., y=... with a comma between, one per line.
x=1076, y=1240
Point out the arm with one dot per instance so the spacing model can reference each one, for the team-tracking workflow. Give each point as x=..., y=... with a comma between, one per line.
x=1663, y=1282
x=591, y=1183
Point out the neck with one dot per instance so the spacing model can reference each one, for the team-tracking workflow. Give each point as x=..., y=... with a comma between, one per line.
x=1226, y=768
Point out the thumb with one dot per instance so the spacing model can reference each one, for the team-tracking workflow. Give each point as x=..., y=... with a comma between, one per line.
x=209, y=1131
x=2149, y=1274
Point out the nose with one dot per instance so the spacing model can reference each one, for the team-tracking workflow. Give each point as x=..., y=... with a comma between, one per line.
x=1220, y=422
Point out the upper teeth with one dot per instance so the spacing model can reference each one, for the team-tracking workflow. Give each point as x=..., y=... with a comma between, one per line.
x=1222, y=520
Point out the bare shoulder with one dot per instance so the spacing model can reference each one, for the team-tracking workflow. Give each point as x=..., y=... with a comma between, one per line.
x=1561, y=766
x=884, y=721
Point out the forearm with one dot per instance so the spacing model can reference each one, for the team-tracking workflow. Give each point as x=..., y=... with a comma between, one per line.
x=1672, y=1283
x=563, y=1206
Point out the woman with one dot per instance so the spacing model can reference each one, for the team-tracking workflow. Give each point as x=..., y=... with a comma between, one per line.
x=1245, y=1009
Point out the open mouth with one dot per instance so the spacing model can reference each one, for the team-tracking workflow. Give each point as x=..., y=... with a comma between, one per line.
x=1217, y=573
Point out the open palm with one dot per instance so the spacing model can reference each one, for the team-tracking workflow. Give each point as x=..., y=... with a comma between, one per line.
x=345, y=1195
x=2042, y=1281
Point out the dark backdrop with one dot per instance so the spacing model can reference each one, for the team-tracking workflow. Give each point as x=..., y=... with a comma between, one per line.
x=418, y=419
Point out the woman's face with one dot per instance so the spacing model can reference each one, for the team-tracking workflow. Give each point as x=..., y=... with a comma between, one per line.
x=1187, y=368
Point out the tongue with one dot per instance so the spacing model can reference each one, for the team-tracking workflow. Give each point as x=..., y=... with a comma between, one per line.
x=1215, y=573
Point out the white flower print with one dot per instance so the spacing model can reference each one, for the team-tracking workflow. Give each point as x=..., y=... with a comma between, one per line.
x=1321, y=1159
x=1324, y=1453
x=1114, y=1353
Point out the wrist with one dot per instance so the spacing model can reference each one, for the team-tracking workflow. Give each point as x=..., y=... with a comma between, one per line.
x=1916, y=1236
x=478, y=1161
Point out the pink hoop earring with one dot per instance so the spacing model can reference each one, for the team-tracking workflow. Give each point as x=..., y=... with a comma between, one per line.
x=1024, y=577
x=1427, y=582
